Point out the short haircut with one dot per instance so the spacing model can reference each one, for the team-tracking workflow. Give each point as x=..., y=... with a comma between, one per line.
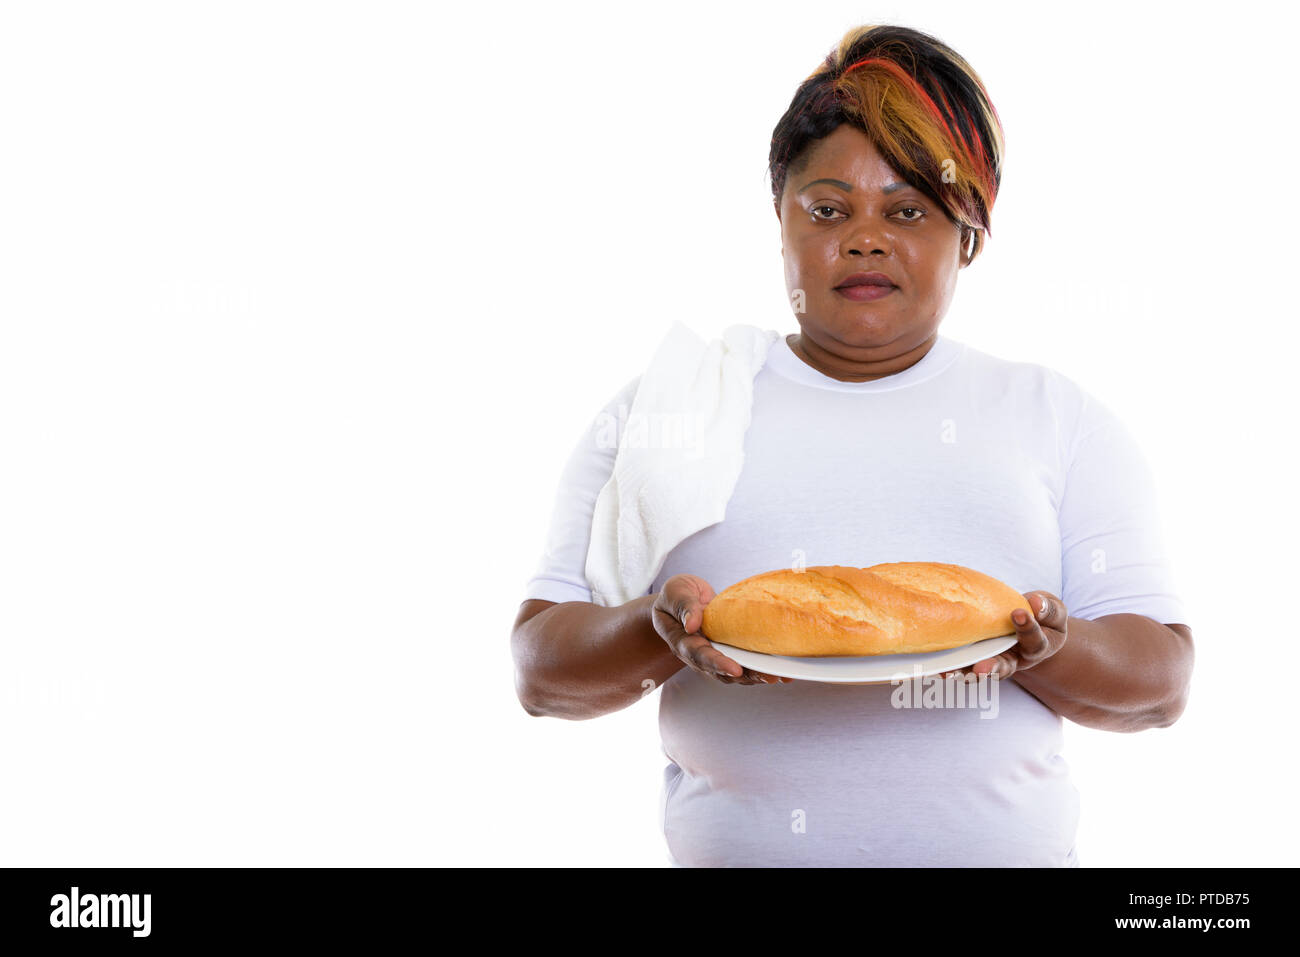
x=923, y=107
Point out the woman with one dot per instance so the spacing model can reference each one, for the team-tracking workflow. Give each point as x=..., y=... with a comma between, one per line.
x=872, y=439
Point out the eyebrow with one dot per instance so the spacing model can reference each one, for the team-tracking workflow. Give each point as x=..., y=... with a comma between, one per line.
x=848, y=188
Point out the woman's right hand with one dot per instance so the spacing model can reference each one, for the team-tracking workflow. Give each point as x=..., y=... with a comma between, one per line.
x=678, y=614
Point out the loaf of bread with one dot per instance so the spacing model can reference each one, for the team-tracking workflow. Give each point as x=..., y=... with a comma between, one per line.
x=896, y=608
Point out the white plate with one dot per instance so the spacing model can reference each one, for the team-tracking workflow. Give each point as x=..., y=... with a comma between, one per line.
x=868, y=669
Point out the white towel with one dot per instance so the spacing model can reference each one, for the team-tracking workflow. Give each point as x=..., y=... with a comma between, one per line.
x=680, y=451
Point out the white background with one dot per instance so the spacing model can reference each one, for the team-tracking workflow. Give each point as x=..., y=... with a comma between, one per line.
x=305, y=305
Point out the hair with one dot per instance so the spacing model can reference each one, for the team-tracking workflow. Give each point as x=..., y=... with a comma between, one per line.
x=923, y=107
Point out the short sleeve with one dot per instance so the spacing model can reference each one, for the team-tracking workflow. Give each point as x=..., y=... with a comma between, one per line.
x=561, y=573
x=1112, y=541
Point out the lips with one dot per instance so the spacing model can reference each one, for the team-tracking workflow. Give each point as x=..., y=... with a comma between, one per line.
x=867, y=279
x=866, y=286
x=865, y=293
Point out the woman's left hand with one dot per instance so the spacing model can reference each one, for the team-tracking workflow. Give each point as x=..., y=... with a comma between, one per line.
x=1039, y=638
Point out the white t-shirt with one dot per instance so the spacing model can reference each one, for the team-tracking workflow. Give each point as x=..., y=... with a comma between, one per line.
x=1006, y=467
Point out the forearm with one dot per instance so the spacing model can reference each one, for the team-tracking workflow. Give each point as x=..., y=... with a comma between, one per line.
x=579, y=660
x=1115, y=673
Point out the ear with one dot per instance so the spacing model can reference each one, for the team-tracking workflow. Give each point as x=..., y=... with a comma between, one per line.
x=966, y=247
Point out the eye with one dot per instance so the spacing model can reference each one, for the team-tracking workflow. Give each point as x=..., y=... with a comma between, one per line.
x=823, y=219
x=912, y=209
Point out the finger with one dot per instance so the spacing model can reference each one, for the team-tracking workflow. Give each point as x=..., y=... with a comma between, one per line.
x=761, y=677
x=1049, y=610
x=1032, y=644
x=691, y=614
x=713, y=661
x=688, y=606
x=715, y=664
x=708, y=660
x=999, y=666
x=696, y=650
x=693, y=649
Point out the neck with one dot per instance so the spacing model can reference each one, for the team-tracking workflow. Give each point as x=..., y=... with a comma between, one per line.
x=857, y=370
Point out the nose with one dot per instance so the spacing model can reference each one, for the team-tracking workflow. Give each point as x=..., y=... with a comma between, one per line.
x=870, y=239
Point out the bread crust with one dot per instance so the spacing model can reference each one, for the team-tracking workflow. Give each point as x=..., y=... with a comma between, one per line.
x=837, y=610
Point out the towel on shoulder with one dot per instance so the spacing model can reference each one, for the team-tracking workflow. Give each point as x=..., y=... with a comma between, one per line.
x=680, y=452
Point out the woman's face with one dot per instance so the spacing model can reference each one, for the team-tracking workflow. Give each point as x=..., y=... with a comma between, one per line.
x=846, y=211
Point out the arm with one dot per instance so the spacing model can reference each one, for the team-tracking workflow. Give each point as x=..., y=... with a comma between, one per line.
x=1116, y=673
x=579, y=660
x=573, y=658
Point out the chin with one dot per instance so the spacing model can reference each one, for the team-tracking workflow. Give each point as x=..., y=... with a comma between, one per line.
x=866, y=327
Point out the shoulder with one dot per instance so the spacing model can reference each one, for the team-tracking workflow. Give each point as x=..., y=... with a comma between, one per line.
x=1032, y=383
x=1047, y=397
x=986, y=365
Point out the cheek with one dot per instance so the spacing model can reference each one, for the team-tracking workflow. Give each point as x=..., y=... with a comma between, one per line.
x=791, y=269
x=796, y=264
x=936, y=264
x=807, y=260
